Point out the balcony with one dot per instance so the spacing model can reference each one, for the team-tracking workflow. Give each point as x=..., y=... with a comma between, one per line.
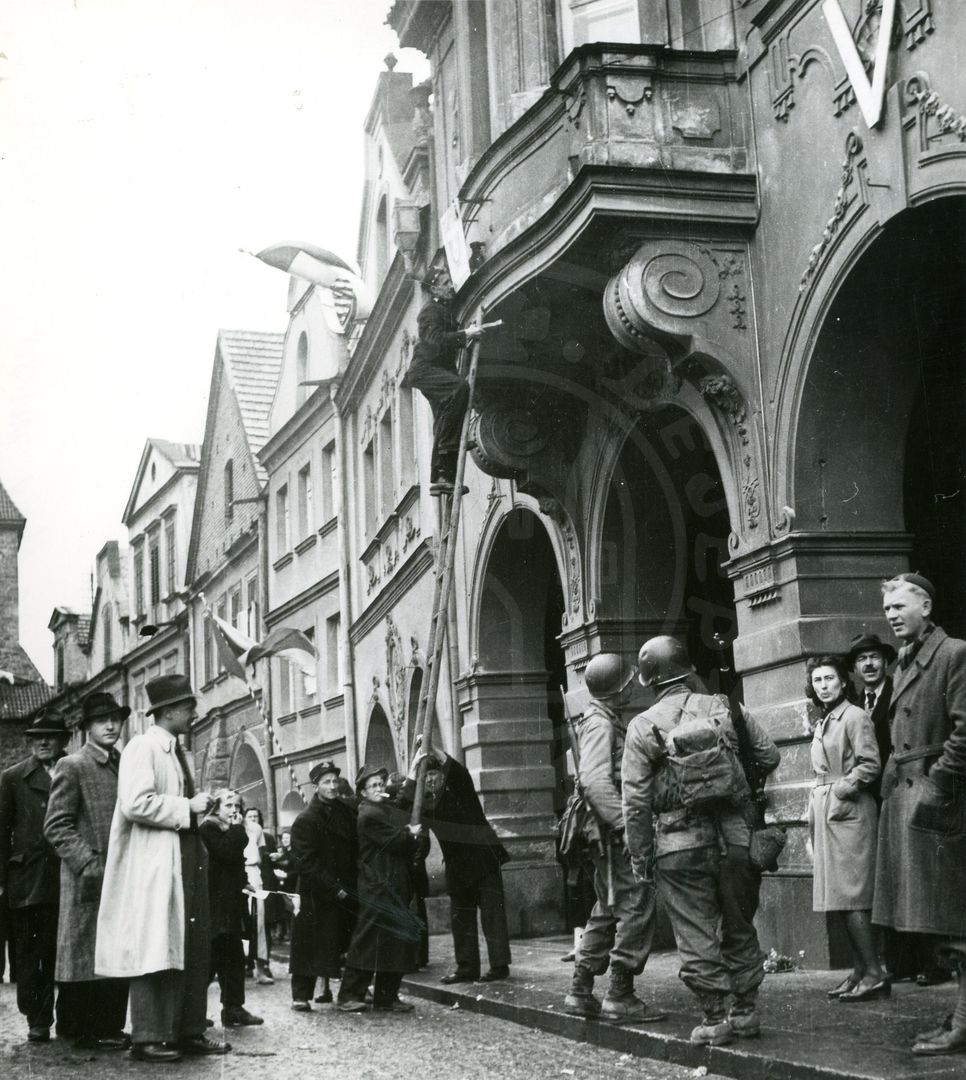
x=623, y=130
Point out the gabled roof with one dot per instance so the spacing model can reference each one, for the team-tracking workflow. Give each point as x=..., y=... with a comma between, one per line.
x=9, y=514
x=183, y=456
x=248, y=363
x=253, y=361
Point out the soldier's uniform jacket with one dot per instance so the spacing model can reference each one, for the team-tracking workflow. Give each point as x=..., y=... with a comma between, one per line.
x=653, y=835
x=600, y=738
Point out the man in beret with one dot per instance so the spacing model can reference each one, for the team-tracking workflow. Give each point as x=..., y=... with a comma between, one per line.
x=78, y=824
x=920, y=878
x=30, y=870
x=153, y=924
x=324, y=847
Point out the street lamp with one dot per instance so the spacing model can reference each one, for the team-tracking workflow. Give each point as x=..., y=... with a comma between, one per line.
x=406, y=229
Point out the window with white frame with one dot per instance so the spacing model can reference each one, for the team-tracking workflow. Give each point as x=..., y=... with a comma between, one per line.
x=283, y=532
x=171, y=556
x=370, y=496
x=306, y=509
x=222, y=612
x=387, y=486
x=235, y=606
x=333, y=654
x=286, y=687
x=330, y=483
x=251, y=605
x=139, y=580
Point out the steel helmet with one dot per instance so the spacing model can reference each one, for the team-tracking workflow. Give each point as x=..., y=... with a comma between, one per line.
x=607, y=675
x=663, y=659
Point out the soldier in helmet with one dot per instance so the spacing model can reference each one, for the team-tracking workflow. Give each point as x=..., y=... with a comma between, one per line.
x=689, y=829
x=620, y=929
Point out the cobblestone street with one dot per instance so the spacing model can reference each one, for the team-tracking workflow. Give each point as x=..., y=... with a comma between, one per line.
x=435, y=1042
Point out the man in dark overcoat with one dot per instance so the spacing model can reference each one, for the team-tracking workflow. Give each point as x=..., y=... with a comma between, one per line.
x=920, y=879
x=78, y=825
x=324, y=847
x=473, y=856
x=30, y=870
x=385, y=942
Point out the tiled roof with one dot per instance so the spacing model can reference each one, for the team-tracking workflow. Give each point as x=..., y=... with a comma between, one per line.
x=179, y=454
x=19, y=701
x=254, y=361
x=8, y=510
x=17, y=662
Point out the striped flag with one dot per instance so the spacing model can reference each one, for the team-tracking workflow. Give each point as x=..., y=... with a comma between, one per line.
x=351, y=300
x=238, y=652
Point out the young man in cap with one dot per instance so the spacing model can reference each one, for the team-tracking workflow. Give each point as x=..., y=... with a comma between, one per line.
x=434, y=373
x=324, y=847
x=30, y=870
x=78, y=825
x=152, y=926
x=920, y=872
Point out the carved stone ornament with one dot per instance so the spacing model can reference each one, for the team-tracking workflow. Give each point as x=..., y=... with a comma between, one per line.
x=666, y=284
x=844, y=198
x=507, y=438
x=722, y=392
x=936, y=119
x=395, y=672
x=630, y=91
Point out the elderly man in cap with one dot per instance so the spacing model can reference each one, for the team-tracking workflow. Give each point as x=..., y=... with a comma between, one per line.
x=920, y=878
x=620, y=929
x=324, y=847
x=78, y=826
x=152, y=926
x=30, y=870
x=385, y=942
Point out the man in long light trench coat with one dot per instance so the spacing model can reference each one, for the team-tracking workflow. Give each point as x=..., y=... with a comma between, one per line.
x=78, y=824
x=152, y=926
x=920, y=880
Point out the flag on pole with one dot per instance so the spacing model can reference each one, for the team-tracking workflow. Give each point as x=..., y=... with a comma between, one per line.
x=237, y=652
x=351, y=299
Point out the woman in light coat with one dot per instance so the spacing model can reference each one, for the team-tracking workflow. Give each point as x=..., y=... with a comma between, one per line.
x=842, y=823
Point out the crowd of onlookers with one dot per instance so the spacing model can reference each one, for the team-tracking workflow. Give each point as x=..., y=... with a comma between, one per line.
x=130, y=890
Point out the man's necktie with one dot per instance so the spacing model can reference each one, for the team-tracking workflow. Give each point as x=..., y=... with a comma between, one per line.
x=869, y=700
x=189, y=786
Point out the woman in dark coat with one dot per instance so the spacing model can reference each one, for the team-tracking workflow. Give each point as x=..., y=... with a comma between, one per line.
x=387, y=934
x=225, y=838
x=324, y=851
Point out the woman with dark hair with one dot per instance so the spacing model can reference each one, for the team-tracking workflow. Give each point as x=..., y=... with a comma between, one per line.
x=224, y=836
x=842, y=823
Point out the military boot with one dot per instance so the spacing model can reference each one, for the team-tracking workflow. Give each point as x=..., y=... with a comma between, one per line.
x=714, y=1029
x=580, y=1001
x=743, y=1016
x=621, y=1004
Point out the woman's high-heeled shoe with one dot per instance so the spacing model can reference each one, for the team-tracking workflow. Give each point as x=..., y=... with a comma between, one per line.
x=846, y=986
x=881, y=989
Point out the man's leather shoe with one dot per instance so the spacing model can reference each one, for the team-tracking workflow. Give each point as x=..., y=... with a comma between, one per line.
x=495, y=974
x=239, y=1016
x=458, y=977
x=155, y=1052
x=932, y=977
x=38, y=1034
x=201, y=1044
x=881, y=989
x=935, y=1032
x=846, y=986
x=948, y=1042
x=394, y=1006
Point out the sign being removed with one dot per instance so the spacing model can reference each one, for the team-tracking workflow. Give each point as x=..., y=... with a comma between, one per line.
x=454, y=241
x=870, y=96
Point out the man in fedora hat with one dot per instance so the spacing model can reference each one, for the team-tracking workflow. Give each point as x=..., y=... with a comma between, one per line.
x=325, y=848
x=30, y=870
x=152, y=925
x=78, y=824
x=869, y=659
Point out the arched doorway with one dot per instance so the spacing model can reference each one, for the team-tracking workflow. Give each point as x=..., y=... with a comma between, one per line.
x=881, y=441
x=380, y=746
x=515, y=734
x=247, y=778
x=664, y=542
x=292, y=805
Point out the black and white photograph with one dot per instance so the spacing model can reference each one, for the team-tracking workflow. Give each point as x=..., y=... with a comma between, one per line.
x=483, y=539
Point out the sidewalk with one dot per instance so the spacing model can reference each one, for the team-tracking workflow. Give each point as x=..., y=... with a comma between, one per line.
x=804, y=1035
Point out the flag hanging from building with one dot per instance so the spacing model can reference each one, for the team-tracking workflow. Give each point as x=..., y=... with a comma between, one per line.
x=237, y=652
x=350, y=297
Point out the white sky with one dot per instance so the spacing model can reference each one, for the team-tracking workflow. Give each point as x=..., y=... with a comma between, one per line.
x=141, y=145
